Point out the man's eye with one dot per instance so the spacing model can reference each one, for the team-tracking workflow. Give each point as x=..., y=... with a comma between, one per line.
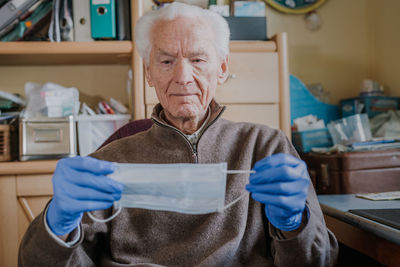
x=197, y=60
x=166, y=62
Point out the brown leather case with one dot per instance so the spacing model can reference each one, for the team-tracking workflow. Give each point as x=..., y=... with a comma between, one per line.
x=354, y=172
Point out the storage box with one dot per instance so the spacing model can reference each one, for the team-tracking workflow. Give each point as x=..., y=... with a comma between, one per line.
x=93, y=130
x=303, y=103
x=354, y=172
x=9, y=136
x=5, y=154
x=304, y=141
x=247, y=28
x=372, y=105
x=44, y=138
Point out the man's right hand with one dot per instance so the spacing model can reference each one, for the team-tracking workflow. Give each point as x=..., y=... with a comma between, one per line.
x=80, y=185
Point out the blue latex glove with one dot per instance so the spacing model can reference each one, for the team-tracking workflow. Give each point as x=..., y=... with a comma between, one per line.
x=281, y=183
x=80, y=185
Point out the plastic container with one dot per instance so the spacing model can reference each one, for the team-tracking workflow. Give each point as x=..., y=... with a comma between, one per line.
x=350, y=130
x=371, y=105
x=303, y=103
x=93, y=130
x=304, y=141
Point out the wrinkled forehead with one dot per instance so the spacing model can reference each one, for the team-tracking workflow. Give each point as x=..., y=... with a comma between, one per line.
x=183, y=33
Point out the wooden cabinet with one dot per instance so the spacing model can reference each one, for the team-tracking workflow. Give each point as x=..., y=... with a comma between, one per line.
x=25, y=188
x=257, y=89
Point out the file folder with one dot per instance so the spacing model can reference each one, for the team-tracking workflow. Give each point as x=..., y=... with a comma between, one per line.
x=82, y=25
x=123, y=19
x=12, y=10
x=103, y=19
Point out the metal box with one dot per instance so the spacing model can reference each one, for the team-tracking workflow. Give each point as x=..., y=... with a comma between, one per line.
x=45, y=138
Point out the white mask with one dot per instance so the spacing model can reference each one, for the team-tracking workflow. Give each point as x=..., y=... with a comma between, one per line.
x=185, y=188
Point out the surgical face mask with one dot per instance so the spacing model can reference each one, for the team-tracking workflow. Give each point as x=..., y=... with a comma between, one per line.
x=184, y=188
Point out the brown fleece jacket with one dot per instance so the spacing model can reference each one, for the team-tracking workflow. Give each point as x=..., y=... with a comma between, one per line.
x=239, y=236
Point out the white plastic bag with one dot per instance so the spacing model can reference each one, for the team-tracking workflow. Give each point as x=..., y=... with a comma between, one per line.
x=50, y=100
x=386, y=124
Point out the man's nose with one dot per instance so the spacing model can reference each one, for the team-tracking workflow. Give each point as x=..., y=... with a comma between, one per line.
x=183, y=73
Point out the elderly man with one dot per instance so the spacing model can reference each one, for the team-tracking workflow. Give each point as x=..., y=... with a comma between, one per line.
x=280, y=223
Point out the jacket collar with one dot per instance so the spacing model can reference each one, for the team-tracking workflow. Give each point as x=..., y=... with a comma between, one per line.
x=215, y=109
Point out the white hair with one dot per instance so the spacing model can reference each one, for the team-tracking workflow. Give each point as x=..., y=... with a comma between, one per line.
x=145, y=23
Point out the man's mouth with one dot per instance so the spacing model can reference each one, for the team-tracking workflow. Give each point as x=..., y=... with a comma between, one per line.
x=183, y=95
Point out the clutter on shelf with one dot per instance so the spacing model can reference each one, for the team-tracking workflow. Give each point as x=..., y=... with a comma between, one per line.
x=309, y=122
x=371, y=105
x=310, y=132
x=303, y=103
x=65, y=20
x=8, y=136
x=305, y=109
x=246, y=19
x=369, y=122
x=53, y=126
x=50, y=100
x=317, y=90
x=386, y=124
x=349, y=130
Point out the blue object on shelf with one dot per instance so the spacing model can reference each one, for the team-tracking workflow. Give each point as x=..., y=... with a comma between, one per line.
x=372, y=105
x=303, y=103
x=304, y=141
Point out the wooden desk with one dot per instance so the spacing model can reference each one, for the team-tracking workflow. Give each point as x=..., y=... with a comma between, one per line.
x=25, y=188
x=371, y=238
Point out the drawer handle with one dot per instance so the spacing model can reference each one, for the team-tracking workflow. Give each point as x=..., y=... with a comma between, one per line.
x=325, y=180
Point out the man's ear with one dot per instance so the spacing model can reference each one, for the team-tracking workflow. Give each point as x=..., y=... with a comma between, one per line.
x=148, y=76
x=224, y=71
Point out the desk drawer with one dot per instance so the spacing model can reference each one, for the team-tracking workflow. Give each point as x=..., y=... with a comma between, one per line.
x=254, y=78
x=267, y=114
x=33, y=192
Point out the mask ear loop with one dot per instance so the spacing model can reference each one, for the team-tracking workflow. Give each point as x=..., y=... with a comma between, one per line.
x=236, y=200
x=116, y=204
x=239, y=171
x=243, y=194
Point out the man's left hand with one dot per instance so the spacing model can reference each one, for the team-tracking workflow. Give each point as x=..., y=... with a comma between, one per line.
x=281, y=183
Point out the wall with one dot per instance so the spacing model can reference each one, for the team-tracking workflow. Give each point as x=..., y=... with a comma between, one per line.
x=387, y=64
x=339, y=54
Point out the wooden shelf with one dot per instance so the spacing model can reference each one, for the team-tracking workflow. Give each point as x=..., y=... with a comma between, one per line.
x=27, y=167
x=253, y=46
x=85, y=53
x=65, y=53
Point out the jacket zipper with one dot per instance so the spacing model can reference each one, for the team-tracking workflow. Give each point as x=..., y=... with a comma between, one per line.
x=193, y=147
x=205, y=128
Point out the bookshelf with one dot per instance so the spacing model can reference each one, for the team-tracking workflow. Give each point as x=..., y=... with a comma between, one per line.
x=19, y=59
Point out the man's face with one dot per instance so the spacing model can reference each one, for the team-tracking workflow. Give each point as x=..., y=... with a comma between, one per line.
x=184, y=66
